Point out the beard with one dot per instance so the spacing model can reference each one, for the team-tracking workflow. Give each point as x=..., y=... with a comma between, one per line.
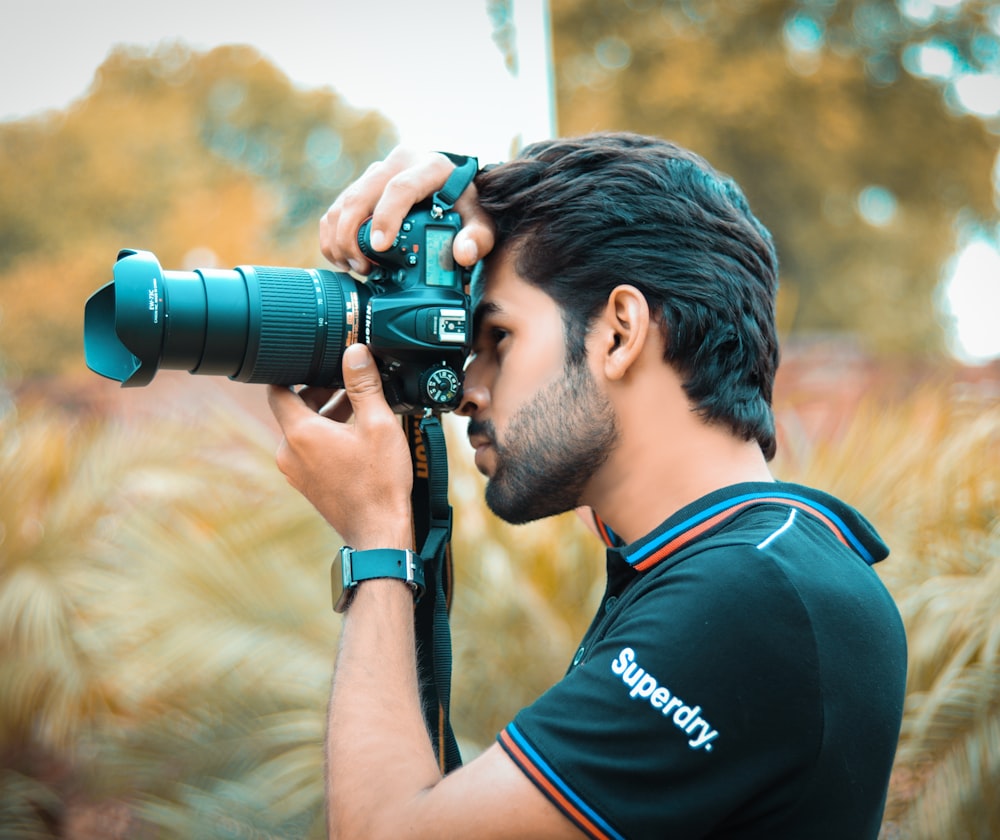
x=553, y=446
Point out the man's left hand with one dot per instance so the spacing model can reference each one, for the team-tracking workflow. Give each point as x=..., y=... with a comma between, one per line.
x=357, y=473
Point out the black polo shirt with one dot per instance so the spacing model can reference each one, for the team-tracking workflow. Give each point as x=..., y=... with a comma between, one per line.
x=744, y=677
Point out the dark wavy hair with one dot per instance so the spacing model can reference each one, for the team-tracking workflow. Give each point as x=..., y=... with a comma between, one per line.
x=583, y=215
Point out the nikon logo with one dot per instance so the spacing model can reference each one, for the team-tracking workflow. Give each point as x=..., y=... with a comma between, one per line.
x=420, y=466
x=644, y=686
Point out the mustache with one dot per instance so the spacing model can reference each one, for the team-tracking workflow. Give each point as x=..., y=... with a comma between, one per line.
x=482, y=429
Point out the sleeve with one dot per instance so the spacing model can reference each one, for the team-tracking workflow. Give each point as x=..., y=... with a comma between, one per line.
x=677, y=714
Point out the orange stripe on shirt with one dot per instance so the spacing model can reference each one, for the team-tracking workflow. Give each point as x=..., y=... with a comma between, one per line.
x=551, y=790
x=692, y=533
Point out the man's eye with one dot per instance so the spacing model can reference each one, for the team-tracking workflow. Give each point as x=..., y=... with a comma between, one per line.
x=498, y=334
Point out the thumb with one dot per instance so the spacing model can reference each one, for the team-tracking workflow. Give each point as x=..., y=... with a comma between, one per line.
x=473, y=242
x=477, y=236
x=363, y=383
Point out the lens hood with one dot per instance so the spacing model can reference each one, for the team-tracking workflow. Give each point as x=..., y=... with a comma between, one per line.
x=123, y=322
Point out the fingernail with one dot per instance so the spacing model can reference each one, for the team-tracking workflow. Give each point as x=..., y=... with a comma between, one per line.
x=467, y=250
x=378, y=239
x=355, y=266
x=356, y=359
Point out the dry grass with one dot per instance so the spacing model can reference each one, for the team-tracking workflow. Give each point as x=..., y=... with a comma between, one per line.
x=166, y=637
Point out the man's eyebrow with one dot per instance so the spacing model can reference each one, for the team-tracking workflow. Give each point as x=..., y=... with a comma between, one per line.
x=484, y=308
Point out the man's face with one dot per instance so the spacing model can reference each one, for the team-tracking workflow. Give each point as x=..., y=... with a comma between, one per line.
x=541, y=428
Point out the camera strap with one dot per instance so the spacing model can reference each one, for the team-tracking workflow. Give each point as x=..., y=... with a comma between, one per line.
x=466, y=167
x=432, y=517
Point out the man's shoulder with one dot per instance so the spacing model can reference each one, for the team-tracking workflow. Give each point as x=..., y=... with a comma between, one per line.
x=792, y=530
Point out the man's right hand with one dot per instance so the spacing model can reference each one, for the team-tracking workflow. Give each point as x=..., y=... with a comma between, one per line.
x=386, y=192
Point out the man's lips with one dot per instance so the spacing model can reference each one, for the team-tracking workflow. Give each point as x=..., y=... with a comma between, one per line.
x=482, y=442
x=478, y=441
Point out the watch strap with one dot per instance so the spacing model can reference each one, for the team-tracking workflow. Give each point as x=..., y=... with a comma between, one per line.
x=359, y=566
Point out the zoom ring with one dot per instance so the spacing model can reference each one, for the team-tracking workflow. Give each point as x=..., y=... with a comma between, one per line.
x=291, y=326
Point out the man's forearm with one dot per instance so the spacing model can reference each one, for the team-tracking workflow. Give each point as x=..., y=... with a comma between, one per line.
x=379, y=755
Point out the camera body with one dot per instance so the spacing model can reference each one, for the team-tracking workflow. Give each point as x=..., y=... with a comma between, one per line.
x=419, y=326
x=290, y=326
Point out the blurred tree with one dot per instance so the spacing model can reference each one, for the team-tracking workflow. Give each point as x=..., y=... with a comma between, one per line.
x=859, y=167
x=171, y=150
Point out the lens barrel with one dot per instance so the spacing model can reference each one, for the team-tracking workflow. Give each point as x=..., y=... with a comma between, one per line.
x=260, y=324
x=300, y=322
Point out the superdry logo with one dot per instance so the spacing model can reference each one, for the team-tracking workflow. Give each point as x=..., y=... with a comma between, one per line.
x=646, y=687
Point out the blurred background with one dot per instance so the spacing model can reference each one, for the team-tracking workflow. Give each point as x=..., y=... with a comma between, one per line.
x=166, y=639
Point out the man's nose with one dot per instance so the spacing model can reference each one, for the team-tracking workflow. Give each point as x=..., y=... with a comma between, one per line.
x=475, y=394
x=474, y=400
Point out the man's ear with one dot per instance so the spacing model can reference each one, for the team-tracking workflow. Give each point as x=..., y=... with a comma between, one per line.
x=622, y=329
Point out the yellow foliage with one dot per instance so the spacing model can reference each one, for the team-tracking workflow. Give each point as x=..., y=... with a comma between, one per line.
x=803, y=136
x=171, y=151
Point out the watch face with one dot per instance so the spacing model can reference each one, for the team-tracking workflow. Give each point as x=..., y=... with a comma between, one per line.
x=340, y=580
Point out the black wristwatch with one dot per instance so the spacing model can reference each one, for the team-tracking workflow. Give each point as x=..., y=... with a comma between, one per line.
x=352, y=567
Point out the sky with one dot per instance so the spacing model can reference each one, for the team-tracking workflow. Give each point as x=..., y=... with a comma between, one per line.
x=430, y=66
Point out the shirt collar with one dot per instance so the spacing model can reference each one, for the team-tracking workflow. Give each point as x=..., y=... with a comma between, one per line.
x=707, y=515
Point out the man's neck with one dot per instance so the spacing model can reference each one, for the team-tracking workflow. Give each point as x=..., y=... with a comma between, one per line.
x=667, y=459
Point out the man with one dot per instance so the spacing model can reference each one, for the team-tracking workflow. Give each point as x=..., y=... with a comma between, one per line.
x=744, y=675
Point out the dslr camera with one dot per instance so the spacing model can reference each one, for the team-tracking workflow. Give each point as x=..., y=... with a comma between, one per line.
x=290, y=326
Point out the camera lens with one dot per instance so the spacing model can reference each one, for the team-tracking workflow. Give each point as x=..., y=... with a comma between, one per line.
x=261, y=324
x=300, y=322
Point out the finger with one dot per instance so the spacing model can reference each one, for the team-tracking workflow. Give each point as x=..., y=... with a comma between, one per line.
x=358, y=202
x=316, y=398
x=338, y=227
x=386, y=192
x=339, y=408
x=364, y=386
x=410, y=185
x=328, y=237
x=291, y=413
x=285, y=404
x=478, y=234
